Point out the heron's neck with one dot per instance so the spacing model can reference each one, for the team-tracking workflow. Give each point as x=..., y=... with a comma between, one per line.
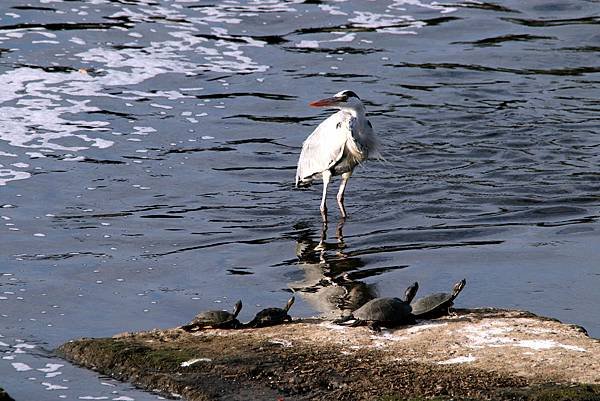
x=357, y=111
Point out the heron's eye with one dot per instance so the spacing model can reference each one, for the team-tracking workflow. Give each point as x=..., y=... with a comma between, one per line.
x=348, y=94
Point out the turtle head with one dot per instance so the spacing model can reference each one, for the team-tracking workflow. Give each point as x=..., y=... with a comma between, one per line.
x=237, y=308
x=458, y=287
x=410, y=292
x=289, y=304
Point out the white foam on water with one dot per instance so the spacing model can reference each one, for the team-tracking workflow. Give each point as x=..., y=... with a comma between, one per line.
x=32, y=117
x=24, y=345
x=21, y=367
x=386, y=22
x=51, y=367
x=130, y=66
x=346, y=38
x=161, y=106
x=444, y=9
x=332, y=10
x=77, y=41
x=50, y=386
x=7, y=175
x=37, y=106
x=311, y=44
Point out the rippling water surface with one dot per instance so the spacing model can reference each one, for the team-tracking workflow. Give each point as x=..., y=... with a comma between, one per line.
x=148, y=151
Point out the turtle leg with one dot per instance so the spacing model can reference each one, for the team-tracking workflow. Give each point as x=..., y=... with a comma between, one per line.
x=251, y=324
x=375, y=326
x=343, y=319
x=190, y=328
x=357, y=323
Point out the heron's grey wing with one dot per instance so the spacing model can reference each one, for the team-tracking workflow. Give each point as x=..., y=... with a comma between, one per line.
x=321, y=150
x=372, y=143
x=364, y=142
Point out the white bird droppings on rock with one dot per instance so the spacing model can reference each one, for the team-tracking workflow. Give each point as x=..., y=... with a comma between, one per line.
x=547, y=344
x=284, y=343
x=193, y=361
x=458, y=359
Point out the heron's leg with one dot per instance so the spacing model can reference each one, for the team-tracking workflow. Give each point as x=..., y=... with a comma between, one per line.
x=326, y=177
x=321, y=245
x=340, y=195
x=339, y=233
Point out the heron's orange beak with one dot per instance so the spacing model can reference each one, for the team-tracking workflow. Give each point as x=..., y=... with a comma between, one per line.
x=330, y=101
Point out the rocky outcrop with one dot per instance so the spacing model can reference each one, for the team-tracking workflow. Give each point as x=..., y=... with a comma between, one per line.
x=477, y=354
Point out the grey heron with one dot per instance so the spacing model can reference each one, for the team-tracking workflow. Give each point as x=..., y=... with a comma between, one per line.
x=340, y=143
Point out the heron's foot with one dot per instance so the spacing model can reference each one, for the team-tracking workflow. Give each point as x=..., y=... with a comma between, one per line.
x=339, y=232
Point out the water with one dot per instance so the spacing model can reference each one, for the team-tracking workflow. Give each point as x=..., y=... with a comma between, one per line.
x=148, y=152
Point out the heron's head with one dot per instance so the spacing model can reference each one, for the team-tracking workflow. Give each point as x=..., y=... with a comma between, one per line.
x=342, y=100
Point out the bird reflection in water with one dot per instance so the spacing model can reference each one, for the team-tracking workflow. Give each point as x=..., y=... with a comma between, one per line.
x=330, y=283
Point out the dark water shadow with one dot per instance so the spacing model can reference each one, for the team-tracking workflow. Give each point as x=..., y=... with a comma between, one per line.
x=332, y=282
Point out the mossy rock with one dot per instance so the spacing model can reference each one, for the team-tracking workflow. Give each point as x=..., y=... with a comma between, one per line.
x=575, y=392
x=312, y=360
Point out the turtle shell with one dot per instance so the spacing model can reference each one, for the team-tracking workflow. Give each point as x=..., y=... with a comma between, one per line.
x=436, y=305
x=270, y=317
x=213, y=317
x=385, y=310
x=430, y=303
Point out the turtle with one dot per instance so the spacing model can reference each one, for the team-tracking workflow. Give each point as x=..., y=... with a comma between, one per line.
x=215, y=319
x=436, y=305
x=387, y=312
x=272, y=316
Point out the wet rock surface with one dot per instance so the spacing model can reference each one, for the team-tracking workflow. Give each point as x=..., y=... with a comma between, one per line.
x=477, y=354
x=4, y=396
